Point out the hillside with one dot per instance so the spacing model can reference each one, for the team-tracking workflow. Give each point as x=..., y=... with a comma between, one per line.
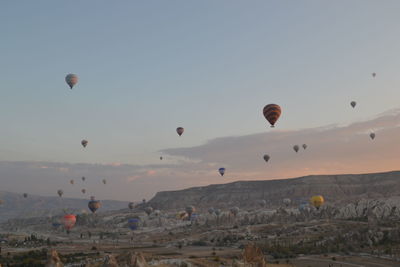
x=245, y=194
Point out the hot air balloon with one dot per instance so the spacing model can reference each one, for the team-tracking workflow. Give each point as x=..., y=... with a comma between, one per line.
x=262, y=203
x=83, y=191
x=71, y=182
x=25, y=195
x=317, y=201
x=180, y=130
x=189, y=210
x=353, y=104
x=69, y=221
x=83, y=178
x=131, y=205
x=374, y=74
x=60, y=192
x=296, y=148
x=272, y=112
x=148, y=210
x=287, y=201
x=221, y=171
x=211, y=210
x=94, y=205
x=104, y=181
x=234, y=211
x=143, y=201
x=161, y=158
x=266, y=157
x=217, y=212
x=372, y=135
x=84, y=143
x=181, y=215
x=304, y=146
x=71, y=80
x=157, y=212
x=133, y=223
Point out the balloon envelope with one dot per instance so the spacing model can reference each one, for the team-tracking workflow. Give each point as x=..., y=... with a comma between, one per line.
x=317, y=201
x=372, y=135
x=71, y=80
x=84, y=143
x=180, y=130
x=94, y=205
x=69, y=221
x=272, y=112
x=60, y=192
x=221, y=171
x=353, y=104
x=266, y=157
x=131, y=205
x=133, y=224
x=304, y=146
x=296, y=148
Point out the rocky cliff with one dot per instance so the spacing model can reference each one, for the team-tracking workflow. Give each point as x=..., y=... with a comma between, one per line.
x=339, y=189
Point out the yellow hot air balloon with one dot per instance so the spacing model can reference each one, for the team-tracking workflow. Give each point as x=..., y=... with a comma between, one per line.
x=317, y=201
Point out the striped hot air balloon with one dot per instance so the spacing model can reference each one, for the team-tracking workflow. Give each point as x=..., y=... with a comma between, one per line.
x=272, y=112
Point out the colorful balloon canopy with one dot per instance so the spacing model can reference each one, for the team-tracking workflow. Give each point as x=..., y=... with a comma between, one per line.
x=189, y=210
x=317, y=201
x=133, y=223
x=221, y=171
x=94, y=205
x=180, y=130
x=272, y=112
x=69, y=221
x=71, y=80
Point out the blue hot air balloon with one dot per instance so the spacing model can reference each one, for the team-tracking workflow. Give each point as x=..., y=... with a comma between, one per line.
x=221, y=171
x=133, y=224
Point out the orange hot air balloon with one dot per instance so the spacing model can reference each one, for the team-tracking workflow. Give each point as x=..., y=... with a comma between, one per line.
x=317, y=201
x=69, y=221
x=272, y=112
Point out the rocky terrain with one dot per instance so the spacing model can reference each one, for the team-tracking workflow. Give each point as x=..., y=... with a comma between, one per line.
x=244, y=194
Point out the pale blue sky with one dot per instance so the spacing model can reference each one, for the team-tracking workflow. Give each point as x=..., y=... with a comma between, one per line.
x=147, y=67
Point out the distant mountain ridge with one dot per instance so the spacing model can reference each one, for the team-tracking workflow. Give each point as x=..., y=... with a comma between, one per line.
x=246, y=194
x=16, y=206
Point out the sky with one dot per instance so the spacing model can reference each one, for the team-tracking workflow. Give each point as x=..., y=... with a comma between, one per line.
x=147, y=67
